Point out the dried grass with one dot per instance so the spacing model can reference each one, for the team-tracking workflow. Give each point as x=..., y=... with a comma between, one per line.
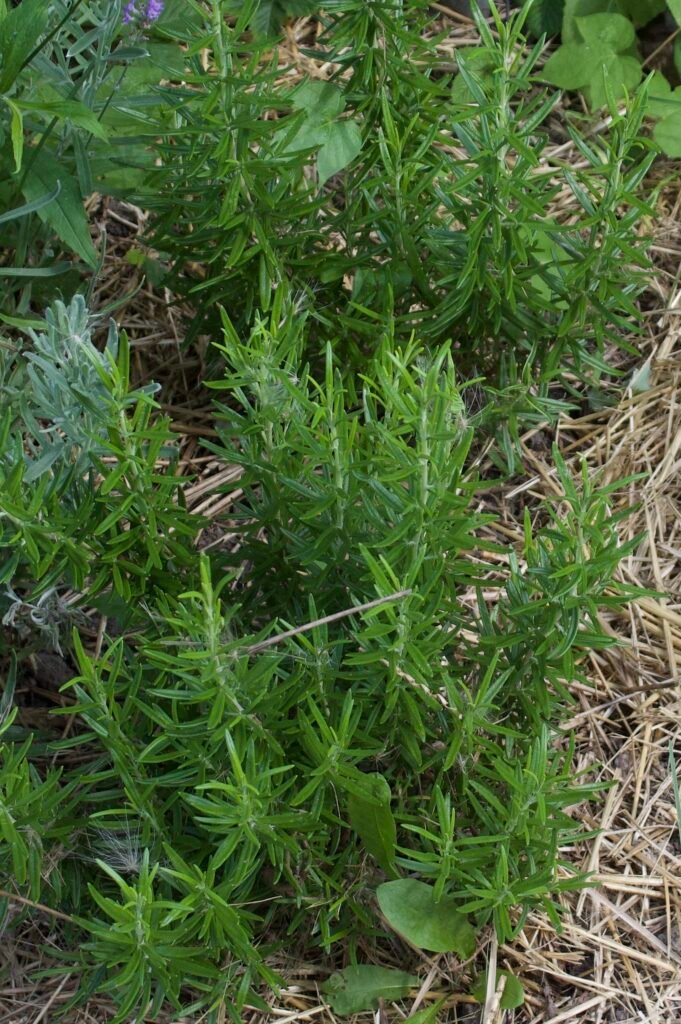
x=618, y=958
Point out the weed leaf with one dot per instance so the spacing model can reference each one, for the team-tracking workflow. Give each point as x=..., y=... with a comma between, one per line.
x=65, y=214
x=360, y=987
x=373, y=821
x=410, y=907
x=513, y=995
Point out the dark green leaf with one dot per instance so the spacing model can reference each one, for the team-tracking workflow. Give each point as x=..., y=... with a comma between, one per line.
x=20, y=31
x=372, y=819
x=545, y=17
x=65, y=214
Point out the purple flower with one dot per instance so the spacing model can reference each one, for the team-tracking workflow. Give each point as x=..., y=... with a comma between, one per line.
x=154, y=10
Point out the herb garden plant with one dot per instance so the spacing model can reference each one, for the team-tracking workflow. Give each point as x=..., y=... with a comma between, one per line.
x=342, y=725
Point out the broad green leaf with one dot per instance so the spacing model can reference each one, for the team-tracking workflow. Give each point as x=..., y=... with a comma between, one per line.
x=410, y=907
x=545, y=17
x=267, y=18
x=343, y=144
x=310, y=135
x=70, y=110
x=667, y=134
x=161, y=61
x=17, y=131
x=619, y=74
x=607, y=32
x=641, y=11
x=572, y=66
x=373, y=821
x=268, y=15
x=65, y=214
x=675, y=8
x=359, y=988
x=323, y=101
x=513, y=995
x=581, y=8
x=663, y=101
x=19, y=33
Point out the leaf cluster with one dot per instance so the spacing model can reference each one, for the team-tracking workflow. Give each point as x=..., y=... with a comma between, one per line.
x=600, y=56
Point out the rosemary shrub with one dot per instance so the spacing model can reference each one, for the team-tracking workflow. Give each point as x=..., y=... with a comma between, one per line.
x=219, y=783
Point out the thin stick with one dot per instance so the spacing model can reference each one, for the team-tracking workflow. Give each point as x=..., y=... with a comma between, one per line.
x=271, y=641
x=53, y=998
x=36, y=906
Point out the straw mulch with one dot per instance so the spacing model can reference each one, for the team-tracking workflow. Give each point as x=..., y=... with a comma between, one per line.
x=618, y=958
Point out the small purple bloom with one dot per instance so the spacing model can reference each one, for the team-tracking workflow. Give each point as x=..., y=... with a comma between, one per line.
x=129, y=12
x=154, y=10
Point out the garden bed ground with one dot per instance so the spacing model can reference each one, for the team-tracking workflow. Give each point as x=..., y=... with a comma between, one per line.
x=618, y=958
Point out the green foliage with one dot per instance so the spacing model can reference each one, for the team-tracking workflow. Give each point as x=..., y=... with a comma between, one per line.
x=336, y=141
x=81, y=498
x=599, y=61
x=373, y=821
x=215, y=770
x=545, y=17
x=266, y=17
x=664, y=104
x=76, y=99
x=359, y=988
x=440, y=221
x=513, y=995
x=348, y=715
x=414, y=911
x=599, y=55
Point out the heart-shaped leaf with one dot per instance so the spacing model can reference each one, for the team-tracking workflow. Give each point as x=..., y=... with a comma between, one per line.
x=667, y=134
x=619, y=74
x=607, y=32
x=571, y=66
x=341, y=147
x=410, y=907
